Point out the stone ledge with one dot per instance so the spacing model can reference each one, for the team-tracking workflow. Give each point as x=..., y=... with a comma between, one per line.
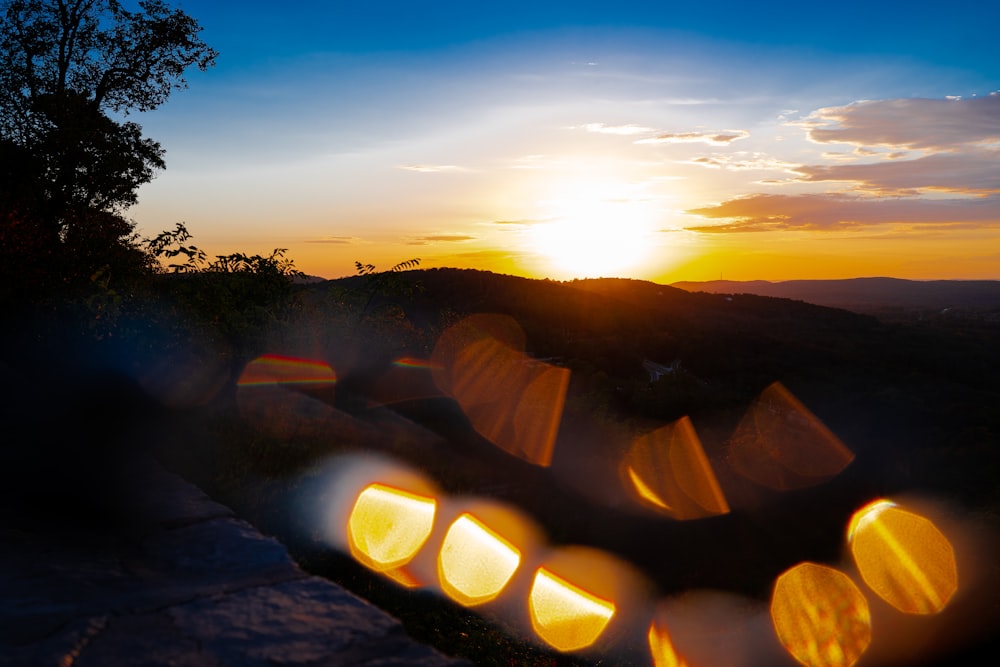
x=186, y=584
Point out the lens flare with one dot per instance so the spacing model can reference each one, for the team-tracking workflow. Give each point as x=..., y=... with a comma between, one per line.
x=388, y=526
x=820, y=616
x=668, y=471
x=903, y=557
x=512, y=400
x=567, y=617
x=413, y=362
x=406, y=379
x=661, y=647
x=274, y=369
x=780, y=444
x=475, y=563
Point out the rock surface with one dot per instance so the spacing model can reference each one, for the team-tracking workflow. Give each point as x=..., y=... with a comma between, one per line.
x=181, y=581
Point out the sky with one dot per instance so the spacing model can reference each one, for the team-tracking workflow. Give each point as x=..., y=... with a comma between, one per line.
x=663, y=140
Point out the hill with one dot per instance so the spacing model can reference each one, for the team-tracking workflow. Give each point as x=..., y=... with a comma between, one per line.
x=905, y=397
x=881, y=296
x=915, y=405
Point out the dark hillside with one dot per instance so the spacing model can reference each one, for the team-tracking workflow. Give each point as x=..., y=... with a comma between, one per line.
x=567, y=319
x=886, y=297
x=915, y=404
x=903, y=397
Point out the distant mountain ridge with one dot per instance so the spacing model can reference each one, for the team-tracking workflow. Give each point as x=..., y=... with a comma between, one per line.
x=865, y=294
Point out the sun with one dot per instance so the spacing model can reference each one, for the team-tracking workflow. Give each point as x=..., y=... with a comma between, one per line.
x=594, y=230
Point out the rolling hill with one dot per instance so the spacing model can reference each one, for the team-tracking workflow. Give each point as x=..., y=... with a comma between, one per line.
x=881, y=296
x=914, y=403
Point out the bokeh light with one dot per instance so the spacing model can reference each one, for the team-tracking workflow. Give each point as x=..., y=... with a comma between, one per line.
x=475, y=563
x=565, y=616
x=780, y=444
x=512, y=400
x=388, y=526
x=820, y=616
x=903, y=557
x=668, y=471
x=582, y=598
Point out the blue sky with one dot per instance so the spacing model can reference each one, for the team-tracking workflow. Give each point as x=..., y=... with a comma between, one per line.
x=657, y=140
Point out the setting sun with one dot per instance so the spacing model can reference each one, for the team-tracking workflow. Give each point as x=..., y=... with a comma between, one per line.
x=594, y=229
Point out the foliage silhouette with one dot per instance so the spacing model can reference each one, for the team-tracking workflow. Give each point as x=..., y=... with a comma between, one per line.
x=386, y=283
x=233, y=302
x=70, y=72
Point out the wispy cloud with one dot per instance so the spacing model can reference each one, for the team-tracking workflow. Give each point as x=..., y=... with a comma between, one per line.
x=743, y=161
x=622, y=130
x=432, y=168
x=944, y=124
x=864, y=152
x=439, y=238
x=339, y=240
x=974, y=171
x=717, y=138
x=831, y=212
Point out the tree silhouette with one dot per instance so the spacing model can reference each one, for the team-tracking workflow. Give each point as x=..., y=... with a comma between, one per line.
x=71, y=71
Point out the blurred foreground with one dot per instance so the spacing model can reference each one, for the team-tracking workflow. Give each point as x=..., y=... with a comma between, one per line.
x=600, y=472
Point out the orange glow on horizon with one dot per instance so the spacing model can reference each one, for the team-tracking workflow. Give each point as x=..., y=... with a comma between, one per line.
x=903, y=558
x=683, y=255
x=820, y=616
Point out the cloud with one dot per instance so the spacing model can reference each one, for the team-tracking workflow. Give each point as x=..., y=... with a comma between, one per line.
x=440, y=238
x=623, y=130
x=975, y=171
x=916, y=123
x=831, y=212
x=432, y=168
x=718, y=138
x=343, y=240
x=743, y=161
x=958, y=140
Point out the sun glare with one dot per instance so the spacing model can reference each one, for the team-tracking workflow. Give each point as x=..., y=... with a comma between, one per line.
x=594, y=230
